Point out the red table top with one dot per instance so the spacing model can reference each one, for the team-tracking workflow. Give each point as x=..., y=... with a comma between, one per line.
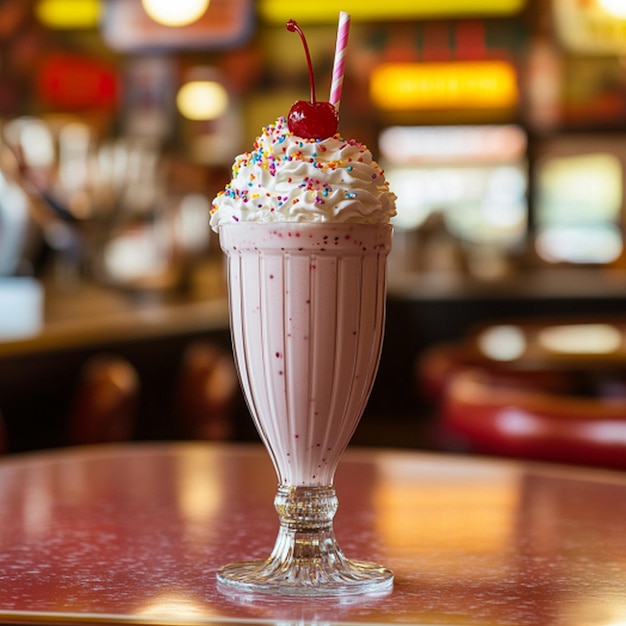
x=134, y=533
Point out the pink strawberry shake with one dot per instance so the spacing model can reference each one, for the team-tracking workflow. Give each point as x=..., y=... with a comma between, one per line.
x=305, y=227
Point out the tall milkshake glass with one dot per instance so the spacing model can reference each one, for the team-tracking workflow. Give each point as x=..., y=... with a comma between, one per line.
x=307, y=308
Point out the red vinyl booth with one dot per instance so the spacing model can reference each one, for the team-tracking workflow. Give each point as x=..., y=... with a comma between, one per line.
x=552, y=390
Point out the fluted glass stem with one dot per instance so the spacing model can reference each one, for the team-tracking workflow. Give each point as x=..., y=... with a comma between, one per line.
x=306, y=559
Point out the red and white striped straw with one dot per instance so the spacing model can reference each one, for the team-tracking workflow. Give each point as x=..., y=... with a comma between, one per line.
x=336, y=86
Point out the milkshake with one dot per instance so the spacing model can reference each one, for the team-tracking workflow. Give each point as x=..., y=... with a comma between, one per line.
x=307, y=312
x=304, y=224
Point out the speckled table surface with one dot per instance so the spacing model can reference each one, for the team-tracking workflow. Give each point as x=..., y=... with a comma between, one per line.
x=134, y=533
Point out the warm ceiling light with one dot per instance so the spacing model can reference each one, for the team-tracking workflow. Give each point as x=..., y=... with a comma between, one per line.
x=438, y=86
x=202, y=100
x=615, y=8
x=69, y=13
x=326, y=10
x=175, y=12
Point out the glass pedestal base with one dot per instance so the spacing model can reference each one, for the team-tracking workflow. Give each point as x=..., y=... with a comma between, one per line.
x=354, y=577
x=306, y=560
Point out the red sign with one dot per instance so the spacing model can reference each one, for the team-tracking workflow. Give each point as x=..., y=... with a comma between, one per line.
x=76, y=83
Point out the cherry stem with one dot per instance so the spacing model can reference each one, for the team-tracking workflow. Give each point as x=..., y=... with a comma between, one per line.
x=292, y=26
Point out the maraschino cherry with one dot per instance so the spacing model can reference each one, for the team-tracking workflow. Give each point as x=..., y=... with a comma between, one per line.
x=314, y=120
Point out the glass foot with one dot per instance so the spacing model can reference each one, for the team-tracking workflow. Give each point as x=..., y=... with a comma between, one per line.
x=306, y=579
x=306, y=560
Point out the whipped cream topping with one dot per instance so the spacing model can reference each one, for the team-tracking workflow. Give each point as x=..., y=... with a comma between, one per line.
x=289, y=179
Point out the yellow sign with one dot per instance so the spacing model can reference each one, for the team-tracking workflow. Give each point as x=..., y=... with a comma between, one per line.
x=327, y=10
x=436, y=86
x=67, y=14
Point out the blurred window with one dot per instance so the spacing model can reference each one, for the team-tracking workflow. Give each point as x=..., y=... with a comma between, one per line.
x=475, y=177
x=578, y=206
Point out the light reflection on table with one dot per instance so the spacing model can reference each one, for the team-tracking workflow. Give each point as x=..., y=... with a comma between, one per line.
x=134, y=534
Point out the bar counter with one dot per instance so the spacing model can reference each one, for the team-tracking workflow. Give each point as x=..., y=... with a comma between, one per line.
x=87, y=312
x=90, y=314
x=134, y=533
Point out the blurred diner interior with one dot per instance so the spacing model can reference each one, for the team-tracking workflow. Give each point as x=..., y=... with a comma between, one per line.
x=501, y=126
